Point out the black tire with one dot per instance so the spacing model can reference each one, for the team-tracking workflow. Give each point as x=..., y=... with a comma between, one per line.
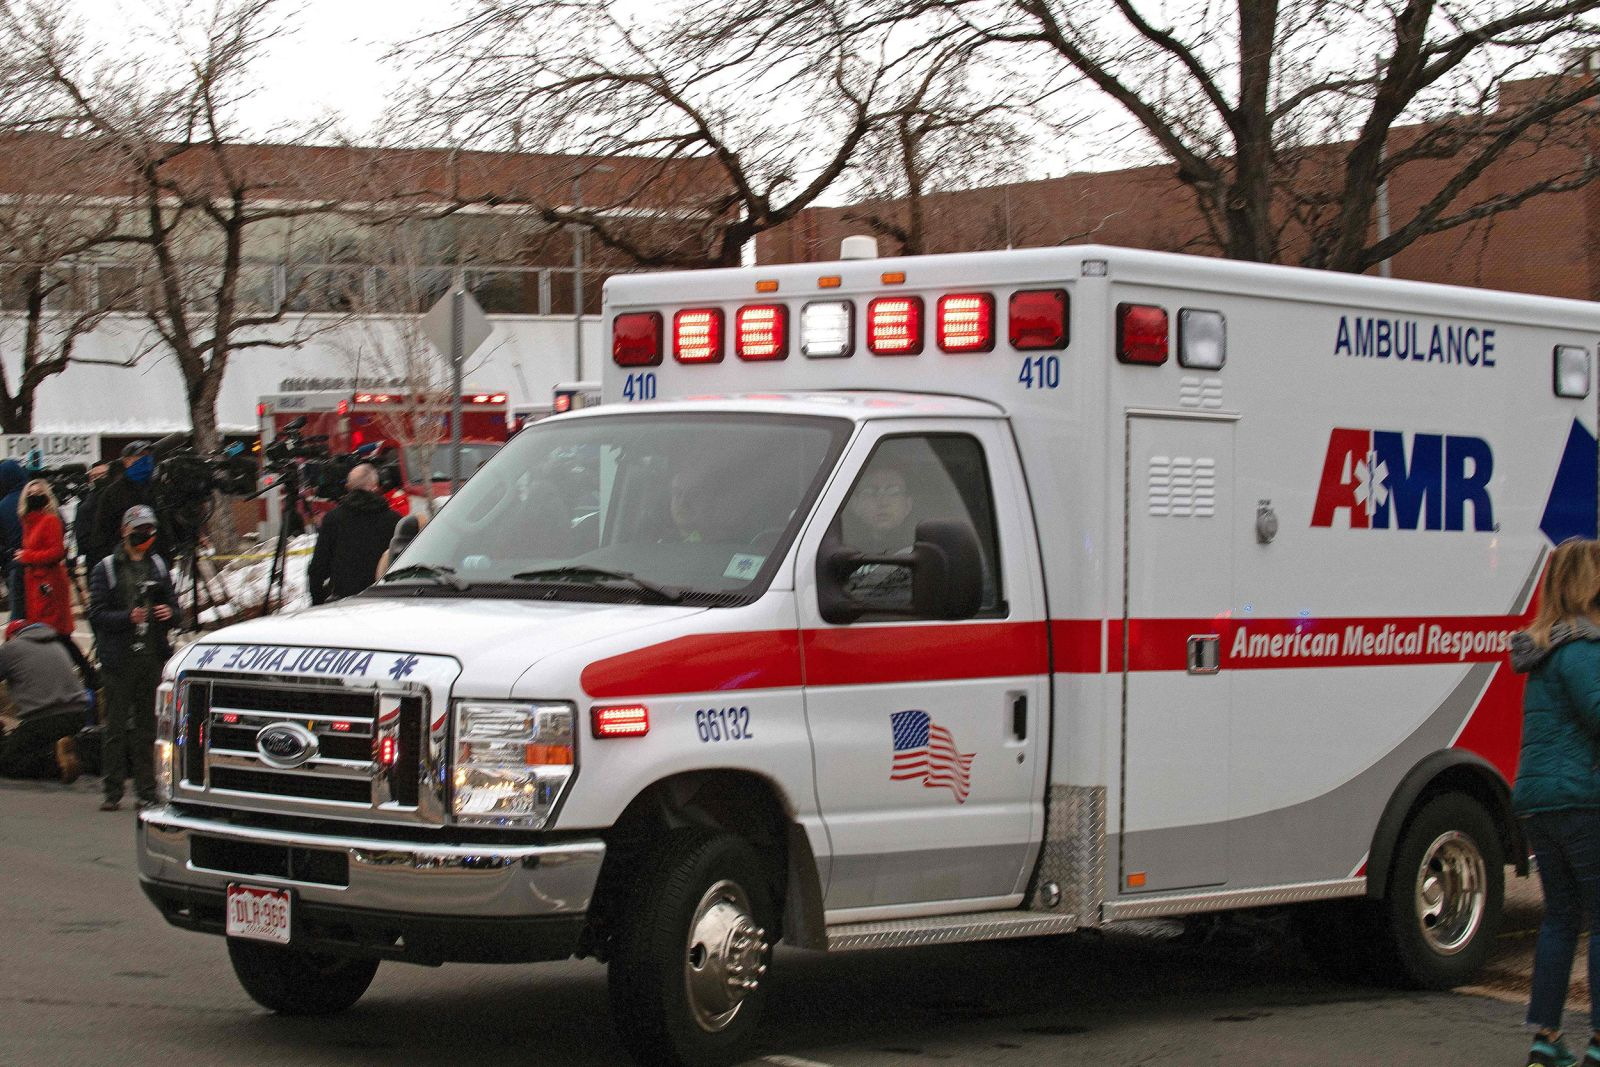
x=655, y=965
x=1450, y=836
x=293, y=982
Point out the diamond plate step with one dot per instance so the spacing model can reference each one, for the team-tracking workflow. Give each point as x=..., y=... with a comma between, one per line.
x=946, y=929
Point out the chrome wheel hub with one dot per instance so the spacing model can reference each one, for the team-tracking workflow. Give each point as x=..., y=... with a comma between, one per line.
x=1451, y=893
x=725, y=957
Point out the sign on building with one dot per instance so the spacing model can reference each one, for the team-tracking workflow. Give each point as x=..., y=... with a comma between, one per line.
x=53, y=449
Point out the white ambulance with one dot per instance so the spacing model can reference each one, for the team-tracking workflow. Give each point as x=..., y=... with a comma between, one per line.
x=901, y=602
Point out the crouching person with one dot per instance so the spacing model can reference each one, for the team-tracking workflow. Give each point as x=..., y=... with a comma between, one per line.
x=132, y=605
x=50, y=702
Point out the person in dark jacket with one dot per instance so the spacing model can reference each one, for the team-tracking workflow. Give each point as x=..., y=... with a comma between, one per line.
x=132, y=605
x=50, y=700
x=354, y=536
x=12, y=478
x=1557, y=793
x=128, y=485
x=83, y=519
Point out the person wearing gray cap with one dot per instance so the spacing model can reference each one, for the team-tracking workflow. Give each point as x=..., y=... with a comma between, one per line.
x=132, y=605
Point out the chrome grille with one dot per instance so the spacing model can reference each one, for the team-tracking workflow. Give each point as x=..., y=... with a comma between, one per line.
x=357, y=750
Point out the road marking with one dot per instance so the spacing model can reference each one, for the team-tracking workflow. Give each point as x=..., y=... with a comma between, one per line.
x=793, y=1061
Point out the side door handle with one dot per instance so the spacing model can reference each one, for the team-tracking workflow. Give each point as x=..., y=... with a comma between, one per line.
x=1019, y=717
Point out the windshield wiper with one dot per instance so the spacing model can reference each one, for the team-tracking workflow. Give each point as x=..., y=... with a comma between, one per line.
x=438, y=572
x=580, y=572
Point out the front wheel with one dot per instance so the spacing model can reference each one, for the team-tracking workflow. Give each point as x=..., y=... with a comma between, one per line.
x=1445, y=895
x=688, y=975
x=294, y=982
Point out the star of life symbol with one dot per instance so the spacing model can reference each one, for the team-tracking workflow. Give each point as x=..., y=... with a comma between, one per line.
x=208, y=655
x=403, y=666
x=1372, y=483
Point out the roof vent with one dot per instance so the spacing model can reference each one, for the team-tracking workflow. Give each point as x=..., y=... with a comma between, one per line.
x=859, y=246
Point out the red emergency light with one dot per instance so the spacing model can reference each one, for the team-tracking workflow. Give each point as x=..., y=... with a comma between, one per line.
x=621, y=720
x=636, y=339
x=697, y=335
x=965, y=322
x=1037, y=318
x=762, y=332
x=343, y=408
x=388, y=751
x=1141, y=334
x=563, y=402
x=894, y=326
x=261, y=410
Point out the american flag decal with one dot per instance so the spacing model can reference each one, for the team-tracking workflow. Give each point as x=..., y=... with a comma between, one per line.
x=925, y=750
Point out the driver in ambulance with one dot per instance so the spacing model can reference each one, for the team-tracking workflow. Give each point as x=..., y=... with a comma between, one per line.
x=879, y=521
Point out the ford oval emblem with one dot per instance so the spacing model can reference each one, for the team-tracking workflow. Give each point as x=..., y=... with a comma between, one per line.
x=286, y=744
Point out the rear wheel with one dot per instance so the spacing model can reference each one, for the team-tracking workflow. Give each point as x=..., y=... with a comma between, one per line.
x=687, y=977
x=295, y=982
x=1445, y=895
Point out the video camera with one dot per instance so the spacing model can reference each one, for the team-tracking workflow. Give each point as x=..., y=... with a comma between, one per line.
x=70, y=481
x=319, y=468
x=185, y=479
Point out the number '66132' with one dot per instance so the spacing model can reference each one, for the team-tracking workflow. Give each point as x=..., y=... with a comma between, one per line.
x=723, y=724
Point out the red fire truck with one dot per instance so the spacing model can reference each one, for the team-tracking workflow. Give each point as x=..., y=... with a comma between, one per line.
x=407, y=432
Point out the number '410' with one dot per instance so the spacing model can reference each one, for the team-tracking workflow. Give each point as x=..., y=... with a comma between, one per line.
x=639, y=386
x=1041, y=372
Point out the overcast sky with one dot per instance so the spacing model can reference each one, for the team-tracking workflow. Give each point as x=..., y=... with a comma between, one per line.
x=331, y=61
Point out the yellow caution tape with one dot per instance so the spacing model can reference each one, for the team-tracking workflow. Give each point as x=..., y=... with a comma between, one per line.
x=260, y=555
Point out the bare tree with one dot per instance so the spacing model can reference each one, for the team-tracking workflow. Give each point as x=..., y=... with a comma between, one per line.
x=735, y=117
x=1287, y=119
x=198, y=191
x=957, y=120
x=56, y=281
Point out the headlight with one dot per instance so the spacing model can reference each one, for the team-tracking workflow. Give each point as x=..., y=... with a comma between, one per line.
x=512, y=761
x=166, y=716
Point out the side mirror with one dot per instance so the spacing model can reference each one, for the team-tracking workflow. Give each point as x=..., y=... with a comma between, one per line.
x=946, y=579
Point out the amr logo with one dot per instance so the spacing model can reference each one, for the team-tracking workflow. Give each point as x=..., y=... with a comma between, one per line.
x=1380, y=483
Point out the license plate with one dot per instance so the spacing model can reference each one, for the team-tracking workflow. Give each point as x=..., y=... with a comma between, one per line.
x=258, y=914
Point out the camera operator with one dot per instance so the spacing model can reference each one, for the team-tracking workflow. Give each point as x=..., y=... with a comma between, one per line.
x=128, y=484
x=132, y=605
x=354, y=536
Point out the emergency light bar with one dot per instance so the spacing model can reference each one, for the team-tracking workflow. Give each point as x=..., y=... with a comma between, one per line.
x=894, y=326
x=636, y=339
x=1571, y=371
x=966, y=322
x=1038, y=319
x=761, y=332
x=828, y=329
x=697, y=336
x=1141, y=334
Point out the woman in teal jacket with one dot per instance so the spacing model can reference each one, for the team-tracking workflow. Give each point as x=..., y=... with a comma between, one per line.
x=1557, y=793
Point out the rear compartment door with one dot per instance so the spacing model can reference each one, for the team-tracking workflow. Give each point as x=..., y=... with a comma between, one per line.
x=1178, y=593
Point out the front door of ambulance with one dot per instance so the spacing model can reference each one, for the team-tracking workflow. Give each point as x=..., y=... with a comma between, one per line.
x=1179, y=595
x=928, y=735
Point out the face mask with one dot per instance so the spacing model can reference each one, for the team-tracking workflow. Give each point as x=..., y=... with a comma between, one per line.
x=138, y=543
x=141, y=469
x=37, y=501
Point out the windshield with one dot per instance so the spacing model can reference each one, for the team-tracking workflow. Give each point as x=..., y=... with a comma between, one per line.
x=425, y=463
x=645, y=506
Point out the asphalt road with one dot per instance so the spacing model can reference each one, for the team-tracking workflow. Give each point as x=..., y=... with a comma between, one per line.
x=89, y=974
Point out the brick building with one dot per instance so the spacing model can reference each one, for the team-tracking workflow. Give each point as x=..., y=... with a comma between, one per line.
x=1548, y=246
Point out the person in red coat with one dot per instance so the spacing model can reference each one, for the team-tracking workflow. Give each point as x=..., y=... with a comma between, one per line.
x=47, y=590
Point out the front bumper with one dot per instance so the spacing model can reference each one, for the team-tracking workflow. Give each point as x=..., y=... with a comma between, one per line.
x=426, y=903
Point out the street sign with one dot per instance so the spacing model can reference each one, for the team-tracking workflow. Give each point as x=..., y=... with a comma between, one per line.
x=438, y=327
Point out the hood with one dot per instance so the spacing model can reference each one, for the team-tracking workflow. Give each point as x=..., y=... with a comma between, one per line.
x=495, y=641
x=36, y=631
x=12, y=476
x=364, y=501
x=1527, y=656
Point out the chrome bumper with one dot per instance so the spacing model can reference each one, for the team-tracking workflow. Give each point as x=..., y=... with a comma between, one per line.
x=405, y=877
